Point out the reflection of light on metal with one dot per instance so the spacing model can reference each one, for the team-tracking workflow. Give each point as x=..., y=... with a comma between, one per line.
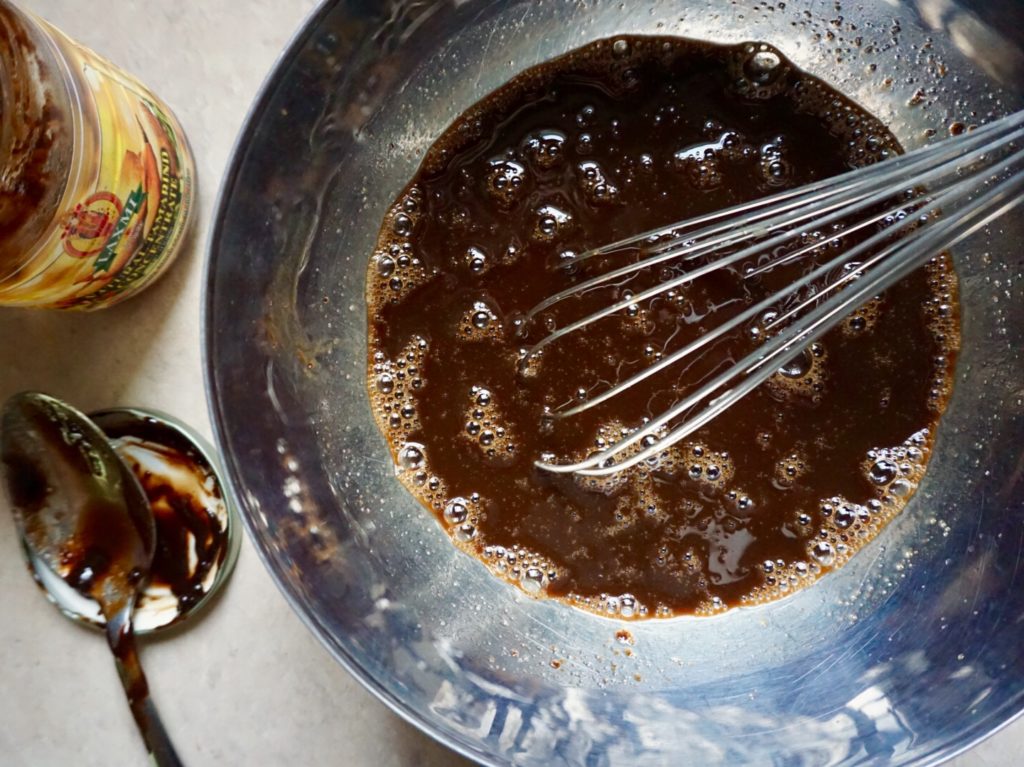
x=981, y=695
x=733, y=734
x=510, y=729
x=962, y=673
x=306, y=518
x=979, y=42
x=885, y=719
x=933, y=12
x=916, y=662
x=977, y=577
x=464, y=712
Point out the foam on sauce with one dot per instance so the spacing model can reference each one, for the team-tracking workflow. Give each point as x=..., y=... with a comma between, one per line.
x=619, y=137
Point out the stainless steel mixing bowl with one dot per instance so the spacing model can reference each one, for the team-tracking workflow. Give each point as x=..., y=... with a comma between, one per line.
x=909, y=654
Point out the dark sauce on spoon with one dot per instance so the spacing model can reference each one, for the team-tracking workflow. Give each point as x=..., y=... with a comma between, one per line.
x=83, y=520
x=66, y=494
x=610, y=140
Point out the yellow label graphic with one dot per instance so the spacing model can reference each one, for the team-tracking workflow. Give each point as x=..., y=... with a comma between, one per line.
x=126, y=209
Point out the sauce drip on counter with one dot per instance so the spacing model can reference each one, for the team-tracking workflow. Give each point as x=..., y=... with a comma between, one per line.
x=611, y=140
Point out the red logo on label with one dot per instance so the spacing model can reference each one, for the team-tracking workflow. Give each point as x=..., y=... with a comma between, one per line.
x=90, y=224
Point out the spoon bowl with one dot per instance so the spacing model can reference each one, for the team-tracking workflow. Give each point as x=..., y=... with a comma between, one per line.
x=83, y=519
x=87, y=525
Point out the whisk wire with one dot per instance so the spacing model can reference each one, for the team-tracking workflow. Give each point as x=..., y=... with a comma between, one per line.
x=755, y=310
x=763, y=363
x=899, y=166
x=843, y=205
x=951, y=183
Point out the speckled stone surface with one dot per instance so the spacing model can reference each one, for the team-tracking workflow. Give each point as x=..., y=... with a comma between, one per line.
x=246, y=684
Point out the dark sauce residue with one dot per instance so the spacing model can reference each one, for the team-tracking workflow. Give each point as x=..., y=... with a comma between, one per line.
x=191, y=534
x=71, y=511
x=107, y=545
x=605, y=142
x=35, y=146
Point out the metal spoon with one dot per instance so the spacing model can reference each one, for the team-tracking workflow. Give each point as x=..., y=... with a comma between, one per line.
x=85, y=522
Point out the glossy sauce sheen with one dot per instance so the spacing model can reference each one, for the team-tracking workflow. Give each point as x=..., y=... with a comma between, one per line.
x=191, y=539
x=609, y=141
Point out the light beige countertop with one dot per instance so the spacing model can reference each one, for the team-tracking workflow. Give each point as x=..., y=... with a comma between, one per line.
x=246, y=684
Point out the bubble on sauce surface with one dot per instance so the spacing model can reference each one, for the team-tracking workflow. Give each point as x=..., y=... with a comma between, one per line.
x=759, y=71
x=528, y=570
x=789, y=469
x=481, y=321
x=863, y=319
x=701, y=164
x=507, y=182
x=393, y=386
x=397, y=269
x=487, y=429
x=897, y=470
x=545, y=149
x=456, y=511
x=823, y=553
x=625, y=606
x=847, y=526
x=773, y=163
x=597, y=187
x=551, y=222
x=805, y=376
x=476, y=260
x=411, y=456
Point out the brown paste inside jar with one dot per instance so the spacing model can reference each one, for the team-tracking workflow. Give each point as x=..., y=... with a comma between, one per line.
x=608, y=141
x=35, y=141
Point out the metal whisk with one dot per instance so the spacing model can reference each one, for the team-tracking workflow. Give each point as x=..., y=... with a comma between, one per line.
x=933, y=198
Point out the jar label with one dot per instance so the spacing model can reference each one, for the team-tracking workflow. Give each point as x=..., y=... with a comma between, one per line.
x=126, y=211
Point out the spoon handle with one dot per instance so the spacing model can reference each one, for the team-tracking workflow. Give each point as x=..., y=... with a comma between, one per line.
x=121, y=639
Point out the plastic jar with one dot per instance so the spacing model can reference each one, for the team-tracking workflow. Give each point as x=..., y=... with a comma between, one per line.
x=96, y=176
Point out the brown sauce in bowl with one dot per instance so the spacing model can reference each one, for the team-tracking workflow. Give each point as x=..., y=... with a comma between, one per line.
x=613, y=139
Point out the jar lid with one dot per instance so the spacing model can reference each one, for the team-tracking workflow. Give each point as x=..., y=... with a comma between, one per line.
x=197, y=538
